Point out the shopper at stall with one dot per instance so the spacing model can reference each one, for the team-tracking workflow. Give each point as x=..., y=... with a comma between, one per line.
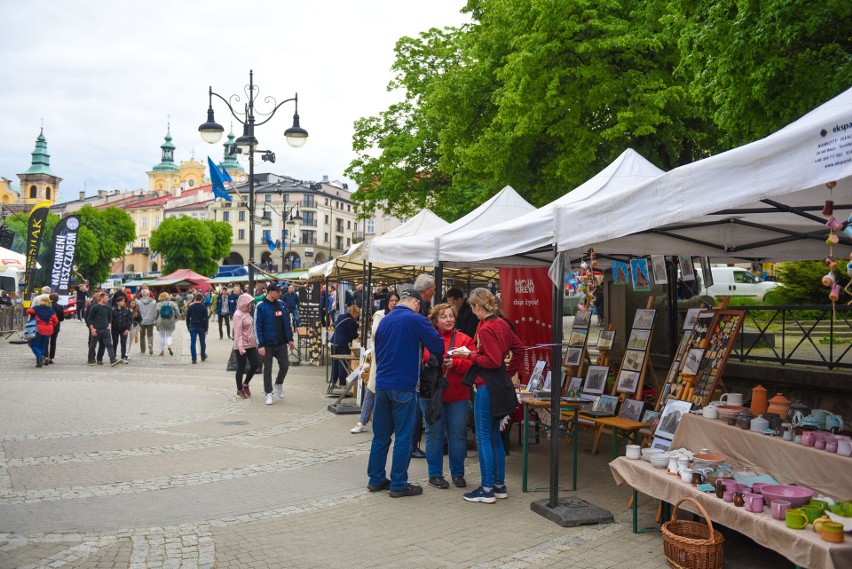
x=197, y=323
x=369, y=399
x=345, y=331
x=245, y=345
x=451, y=426
x=495, y=395
x=397, y=342
x=465, y=320
x=223, y=312
x=46, y=321
x=167, y=313
x=147, y=307
x=122, y=320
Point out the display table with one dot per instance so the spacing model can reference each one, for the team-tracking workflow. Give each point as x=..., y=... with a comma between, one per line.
x=568, y=414
x=619, y=427
x=803, y=547
x=787, y=462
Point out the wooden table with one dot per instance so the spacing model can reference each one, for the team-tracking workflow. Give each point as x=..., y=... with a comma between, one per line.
x=627, y=428
x=803, y=547
x=568, y=414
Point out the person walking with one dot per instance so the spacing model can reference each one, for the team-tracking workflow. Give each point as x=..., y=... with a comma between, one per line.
x=273, y=333
x=147, y=307
x=122, y=320
x=291, y=301
x=135, y=320
x=197, y=322
x=245, y=345
x=99, y=320
x=223, y=312
x=46, y=321
x=451, y=426
x=345, y=331
x=369, y=399
x=60, y=316
x=81, y=301
x=494, y=392
x=397, y=344
x=167, y=314
x=232, y=300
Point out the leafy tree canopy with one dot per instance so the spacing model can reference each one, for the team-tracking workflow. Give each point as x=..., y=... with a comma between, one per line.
x=188, y=243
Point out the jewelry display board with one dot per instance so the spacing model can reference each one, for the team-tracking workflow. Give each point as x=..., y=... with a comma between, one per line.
x=726, y=328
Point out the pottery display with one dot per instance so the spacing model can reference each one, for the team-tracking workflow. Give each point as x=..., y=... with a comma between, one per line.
x=796, y=495
x=744, y=418
x=660, y=460
x=647, y=452
x=759, y=424
x=705, y=460
x=759, y=403
x=633, y=452
x=728, y=412
x=833, y=423
x=780, y=405
x=797, y=407
x=732, y=399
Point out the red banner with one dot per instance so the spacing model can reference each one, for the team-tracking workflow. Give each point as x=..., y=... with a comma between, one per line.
x=527, y=296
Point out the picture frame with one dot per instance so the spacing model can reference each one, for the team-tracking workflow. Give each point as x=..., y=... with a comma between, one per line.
x=639, y=273
x=573, y=356
x=545, y=385
x=661, y=443
x=692, y=361
x=638, y=339
x=650, y=417
x=670, y=417
x=606, y=404
x=628, y=381
x=596, y=378
x=582, y=319
x=575, y=385
x=633, y=360
x=691, y=317
x=631, y=409
x=605, y=339
x=687, y=269
x=706, y=271
x=578, y=337
x=620, y=273
x=535, y=376
x=644, y=318
x=658, y=268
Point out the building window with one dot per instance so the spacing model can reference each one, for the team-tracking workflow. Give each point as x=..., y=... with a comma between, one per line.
x=267, y=198
x=143, y=242
x=226, y=216
x=33, y=192
x=226, y=204
x=286, y=198
x=156, y=221
x=326, y=237
x=47, y=193
x=349, y=207
x=348, y=242
x=241, y=234
x=326, y=220
x=308, y=219
x=340, y=225
x=338, y=242
x=144, y=223
x=371, y=226
x=242, y=216
x=308, y=201
x=348, y=224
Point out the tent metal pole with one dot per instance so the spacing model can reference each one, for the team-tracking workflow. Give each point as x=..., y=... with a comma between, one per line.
x=556, y=359
x=439, y=281
x=672, y=295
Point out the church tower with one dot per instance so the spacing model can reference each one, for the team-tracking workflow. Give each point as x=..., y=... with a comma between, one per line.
x=229, y=161
x=165, y=176
x=39, y=182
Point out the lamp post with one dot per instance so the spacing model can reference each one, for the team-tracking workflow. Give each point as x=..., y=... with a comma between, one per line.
x=211, y=132
x=287, y=218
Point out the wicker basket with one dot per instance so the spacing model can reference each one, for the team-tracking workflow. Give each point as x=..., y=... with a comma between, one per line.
x=692, y=545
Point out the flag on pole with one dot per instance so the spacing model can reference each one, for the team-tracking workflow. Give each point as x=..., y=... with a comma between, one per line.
x=269, y=242
x=218, y=177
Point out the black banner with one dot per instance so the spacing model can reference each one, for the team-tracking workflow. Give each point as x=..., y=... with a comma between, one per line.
x=64, y=247
x=35, y=231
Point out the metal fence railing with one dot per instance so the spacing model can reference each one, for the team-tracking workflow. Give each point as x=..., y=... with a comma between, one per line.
x=11, y=320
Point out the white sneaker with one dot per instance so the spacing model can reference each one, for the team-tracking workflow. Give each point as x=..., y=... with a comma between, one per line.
x=359, y=428
x=279, y=391
x=269, y=400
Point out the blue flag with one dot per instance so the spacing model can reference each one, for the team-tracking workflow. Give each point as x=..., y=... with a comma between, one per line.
x=218, y=177
x=270, y=243
x=153, y=255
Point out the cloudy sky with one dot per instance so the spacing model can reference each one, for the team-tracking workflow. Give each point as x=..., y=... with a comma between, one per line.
x=107, y=76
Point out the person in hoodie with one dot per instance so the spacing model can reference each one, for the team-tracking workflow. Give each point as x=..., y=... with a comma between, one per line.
x=148, y=313
x=223, y=312
x=46, y=320
x=60, y=315
x=245, y=345
x=122, y=320
x=197, y=323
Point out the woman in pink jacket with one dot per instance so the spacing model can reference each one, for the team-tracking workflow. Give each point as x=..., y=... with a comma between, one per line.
x=245, y=344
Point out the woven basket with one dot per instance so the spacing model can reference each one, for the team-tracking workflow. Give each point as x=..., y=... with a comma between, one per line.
x=692, y=545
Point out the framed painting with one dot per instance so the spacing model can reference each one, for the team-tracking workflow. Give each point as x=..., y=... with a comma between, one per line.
x=670, y=418
x=644, y=318
x=605, y=339
x=631, y=409
x=639, y=272
x=633, y=360
x=628, y=381
x=658, y=267
x=596, y=380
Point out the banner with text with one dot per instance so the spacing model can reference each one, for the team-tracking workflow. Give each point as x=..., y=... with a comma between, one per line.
x=35, y=231
x=64, y=247
x=527, y=296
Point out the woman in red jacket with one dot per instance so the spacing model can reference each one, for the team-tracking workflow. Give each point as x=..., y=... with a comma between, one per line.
x=452, y=426
x=46, y=320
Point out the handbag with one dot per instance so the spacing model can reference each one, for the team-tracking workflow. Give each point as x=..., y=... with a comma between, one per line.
x=432, y=373
x=30, y=329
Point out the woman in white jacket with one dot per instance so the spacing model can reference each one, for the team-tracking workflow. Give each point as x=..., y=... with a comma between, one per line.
x=370, y=394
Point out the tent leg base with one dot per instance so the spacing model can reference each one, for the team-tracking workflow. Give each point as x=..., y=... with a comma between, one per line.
x=572, y=512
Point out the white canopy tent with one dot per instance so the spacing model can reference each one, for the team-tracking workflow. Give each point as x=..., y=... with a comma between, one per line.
x=528, y=240
x=423, y=222
x=760, y=201
x=420, y=248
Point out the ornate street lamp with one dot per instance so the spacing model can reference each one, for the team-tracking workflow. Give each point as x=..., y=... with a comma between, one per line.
x=211, y=132
x=287, y=218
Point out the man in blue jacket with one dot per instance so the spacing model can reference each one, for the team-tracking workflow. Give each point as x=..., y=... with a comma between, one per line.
x=398, y=360
x=272, y=328
x=291, y=301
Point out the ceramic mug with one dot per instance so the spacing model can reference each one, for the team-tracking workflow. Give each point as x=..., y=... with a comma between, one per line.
x=779, y=508
x=812, y=512
x=728, y=496
x=808, y=439
x=819, y=444
x=697, y=478
x=832, y=532
x=831, y=446
x=731, y=485
x=634, y=452
x=821, y=504
x=796, y=518
x=844, y=447
x=686, y=475
x=754, y=503
x=732, y=399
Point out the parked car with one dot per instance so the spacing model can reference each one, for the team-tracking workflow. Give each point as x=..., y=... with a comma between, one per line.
x=70, y=309
x=737, y=282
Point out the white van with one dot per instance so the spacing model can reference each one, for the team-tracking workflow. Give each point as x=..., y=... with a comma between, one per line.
x=736, y=282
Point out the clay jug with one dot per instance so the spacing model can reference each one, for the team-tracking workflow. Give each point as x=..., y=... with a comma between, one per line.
x=759, y=404
x=780, y=405
x=797, y=407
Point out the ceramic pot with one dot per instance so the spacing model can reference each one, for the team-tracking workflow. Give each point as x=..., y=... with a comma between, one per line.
x=779, y=404
x=833, y=423
x=759, y=424
x=731, y=399
x=797, y=407
x=739, y=499
x=744, y=419
x=759, y=404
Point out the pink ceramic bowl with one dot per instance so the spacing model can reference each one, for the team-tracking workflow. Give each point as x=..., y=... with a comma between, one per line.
x=758, y=485
x=796, y=495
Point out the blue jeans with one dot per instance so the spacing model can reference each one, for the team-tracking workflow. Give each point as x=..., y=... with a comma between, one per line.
x=367, y=406
x=202, y=338
x=492, y=455
x=393, y=414
x=295, y=314
x=39, y=345
x=451, y=427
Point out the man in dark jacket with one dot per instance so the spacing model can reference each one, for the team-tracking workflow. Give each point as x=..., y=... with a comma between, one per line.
x=99, y=319
x=291, y=301
x=197, y=322
x=122, y=320
x=397, y=361
x=272, y=328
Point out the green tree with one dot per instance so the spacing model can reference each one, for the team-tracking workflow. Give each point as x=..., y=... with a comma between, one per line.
x=188, y=243
x=801, y=282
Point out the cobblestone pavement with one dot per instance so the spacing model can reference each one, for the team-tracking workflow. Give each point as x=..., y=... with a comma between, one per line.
x=157, y=464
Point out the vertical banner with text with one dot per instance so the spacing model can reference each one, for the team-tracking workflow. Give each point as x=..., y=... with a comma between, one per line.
x=527, y=296
x=35, y=231
x=64, y=247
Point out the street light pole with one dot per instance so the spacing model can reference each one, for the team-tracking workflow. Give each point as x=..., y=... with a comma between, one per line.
x=287, y=218
x=211, y=132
